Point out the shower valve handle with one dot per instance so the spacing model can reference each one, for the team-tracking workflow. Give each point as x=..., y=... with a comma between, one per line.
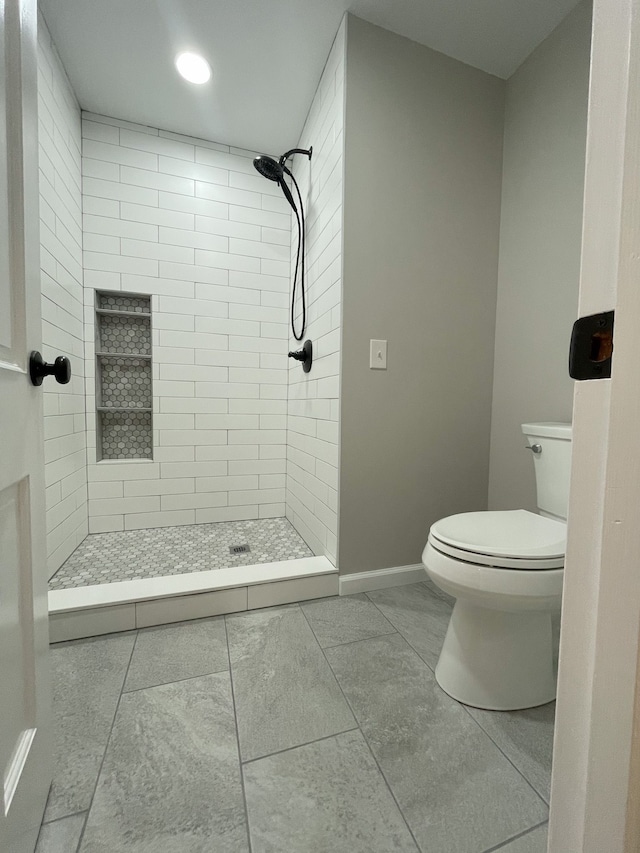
x=305, y=355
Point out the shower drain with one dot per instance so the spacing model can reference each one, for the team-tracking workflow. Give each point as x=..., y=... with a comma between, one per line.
x=239, y=549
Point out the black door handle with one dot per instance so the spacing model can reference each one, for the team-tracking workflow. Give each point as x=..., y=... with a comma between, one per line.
x=38, y=369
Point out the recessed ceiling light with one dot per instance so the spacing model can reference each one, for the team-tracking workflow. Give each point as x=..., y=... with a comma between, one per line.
x=193, y=67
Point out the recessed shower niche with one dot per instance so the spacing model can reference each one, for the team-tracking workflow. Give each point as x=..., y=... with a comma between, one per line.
x=123, y=376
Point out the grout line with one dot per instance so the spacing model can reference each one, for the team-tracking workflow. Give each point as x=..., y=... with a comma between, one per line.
x=235, y=719
x=65, y=817
x=522, y=834
x=502, y=752
x=364, y=737
x=106, y=747
x=62, y=817
x=360, y=640
x=300, y=745
x=173, y=681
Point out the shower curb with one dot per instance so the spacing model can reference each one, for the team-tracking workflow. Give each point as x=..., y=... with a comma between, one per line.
x=126, y=605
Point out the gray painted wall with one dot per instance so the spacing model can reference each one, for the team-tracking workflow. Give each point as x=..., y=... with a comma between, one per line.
x=540, y=237
x=421, y=222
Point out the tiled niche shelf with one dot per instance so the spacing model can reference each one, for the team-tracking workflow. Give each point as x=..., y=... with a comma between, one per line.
x=123, y=376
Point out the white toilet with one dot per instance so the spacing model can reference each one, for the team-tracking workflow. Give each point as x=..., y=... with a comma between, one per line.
x=505, y=570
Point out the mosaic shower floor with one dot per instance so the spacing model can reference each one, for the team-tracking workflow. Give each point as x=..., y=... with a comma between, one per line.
x=135, y=554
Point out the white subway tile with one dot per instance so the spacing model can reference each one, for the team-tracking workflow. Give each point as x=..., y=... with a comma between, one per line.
x=197, y=406
x=258, y=466
x=195, y=372
x=157, y=145
x=117, y=154
x=119, y=228
x=195, y=171
x=169, y=518
x=227, y=195
x=227, y=228
x=92, y=130
x=231, y=513
x=226, y=390
x=156, y=216
x=223, y=326
x=257, y=216
x=256, y=496
x=194, y=240
x=100, y=169
x=227, y=422
x=194, y=273
x=222, y=358
x=226, y=484
x=121, y=506
x=192, y=205
x=105, y=490
x=196, y=437
x=172, y=470
x=204, y=500
x=226, y=452
x=223, y=293
x=165, y=486
x=258, y=436
x=119, y=192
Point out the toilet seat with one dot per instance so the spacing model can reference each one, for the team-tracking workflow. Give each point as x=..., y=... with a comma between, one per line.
x=509, y=539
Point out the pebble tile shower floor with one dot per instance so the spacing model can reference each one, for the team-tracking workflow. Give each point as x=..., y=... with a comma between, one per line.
x=308, y=728
x=158, y=552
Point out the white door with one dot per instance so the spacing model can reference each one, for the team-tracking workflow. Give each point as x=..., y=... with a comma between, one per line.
x=25, y=749
x=595, y=794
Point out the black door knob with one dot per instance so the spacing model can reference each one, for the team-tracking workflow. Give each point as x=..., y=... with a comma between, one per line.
x=38, y=369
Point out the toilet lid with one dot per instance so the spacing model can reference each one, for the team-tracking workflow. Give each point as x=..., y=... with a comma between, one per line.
x=511, y=534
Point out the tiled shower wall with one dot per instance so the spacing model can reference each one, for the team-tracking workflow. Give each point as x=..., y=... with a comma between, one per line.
x=312, y=451
x=62, y=298
x=191, y=224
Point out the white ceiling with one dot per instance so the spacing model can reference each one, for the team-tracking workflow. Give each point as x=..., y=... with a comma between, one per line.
x=267, y=55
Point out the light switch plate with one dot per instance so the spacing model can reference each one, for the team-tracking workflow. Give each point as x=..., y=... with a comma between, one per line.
x=378, y=355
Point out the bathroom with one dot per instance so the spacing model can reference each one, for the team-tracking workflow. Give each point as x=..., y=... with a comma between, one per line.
x=252, y=534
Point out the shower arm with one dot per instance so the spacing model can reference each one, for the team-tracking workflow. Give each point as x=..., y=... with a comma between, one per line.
x=292, y=151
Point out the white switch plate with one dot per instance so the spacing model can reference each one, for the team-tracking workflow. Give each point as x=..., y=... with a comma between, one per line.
x=378, y=355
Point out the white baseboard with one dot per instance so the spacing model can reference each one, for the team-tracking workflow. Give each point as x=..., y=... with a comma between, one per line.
x=381, y=578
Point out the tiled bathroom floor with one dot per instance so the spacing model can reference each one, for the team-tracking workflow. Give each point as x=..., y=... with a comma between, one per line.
x=308, y=728
x=162, y=551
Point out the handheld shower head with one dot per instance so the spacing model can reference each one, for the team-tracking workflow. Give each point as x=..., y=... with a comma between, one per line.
x=269, y=168
x=274, y=171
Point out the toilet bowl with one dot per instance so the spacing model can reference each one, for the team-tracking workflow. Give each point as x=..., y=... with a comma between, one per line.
x=505, y=570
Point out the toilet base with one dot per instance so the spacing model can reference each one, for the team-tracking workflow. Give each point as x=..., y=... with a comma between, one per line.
x=498, y=660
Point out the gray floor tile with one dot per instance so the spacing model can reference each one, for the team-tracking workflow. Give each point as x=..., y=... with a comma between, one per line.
x=61, y=836
x=285, y=692
x=326, y=797
x=533, y=842
x=173, y=652
x=170, y=782
x=526, y=737
x=87, y=679
x=421, y=616
x=458, y=793
x=345, y=619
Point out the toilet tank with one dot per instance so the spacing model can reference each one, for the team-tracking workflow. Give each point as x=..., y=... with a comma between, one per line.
x=552, y=466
